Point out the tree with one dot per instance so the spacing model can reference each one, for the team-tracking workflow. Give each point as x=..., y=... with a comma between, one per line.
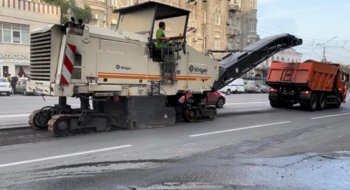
x=80, y=13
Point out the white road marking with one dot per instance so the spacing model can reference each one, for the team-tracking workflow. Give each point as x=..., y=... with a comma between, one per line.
x=242, y=103
x=252, y=109
x=64, y=156
x=326, y=116
x=14, y=115
x=239, y=129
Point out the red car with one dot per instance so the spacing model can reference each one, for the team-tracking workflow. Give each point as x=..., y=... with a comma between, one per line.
x=214, y=98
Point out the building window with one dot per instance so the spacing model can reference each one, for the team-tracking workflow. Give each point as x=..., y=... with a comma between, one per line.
x=7, y=32
x=14, y=33
x=252, y=25
x=25, y=34
x=125, y=3
x=0, y=32
x=217, y=42
x=252, y=4
x=217, y=19
x=205, y=17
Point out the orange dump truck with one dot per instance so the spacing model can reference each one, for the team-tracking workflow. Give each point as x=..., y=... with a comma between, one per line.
x=313, y=84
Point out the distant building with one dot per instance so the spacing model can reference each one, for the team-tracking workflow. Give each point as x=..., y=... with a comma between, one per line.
x=241, y=23
x=213, y=25
x=17, y=19
x=102, y=12
x=207, y=27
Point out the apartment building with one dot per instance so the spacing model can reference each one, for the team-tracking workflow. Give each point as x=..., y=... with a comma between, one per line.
x=207, y=21
x=241, y=23
x=17, y=19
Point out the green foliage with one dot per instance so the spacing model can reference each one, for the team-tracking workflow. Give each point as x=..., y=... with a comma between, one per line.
x=79, y=13
x=84, y=14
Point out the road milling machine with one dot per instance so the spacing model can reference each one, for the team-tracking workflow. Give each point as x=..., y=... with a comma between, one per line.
x=129, y=81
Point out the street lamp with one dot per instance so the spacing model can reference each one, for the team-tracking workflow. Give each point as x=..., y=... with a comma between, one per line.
x=324, y=59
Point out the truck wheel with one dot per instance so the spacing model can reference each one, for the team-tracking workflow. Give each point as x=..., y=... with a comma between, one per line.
x=275, y=104
x=8, y=93
x=321, y=101
x=313, y=102
x=228, y=92
x=338, y=102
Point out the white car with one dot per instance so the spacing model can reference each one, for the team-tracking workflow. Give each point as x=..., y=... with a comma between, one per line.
x=5, y=86
x=250, y=86
x=236, y=86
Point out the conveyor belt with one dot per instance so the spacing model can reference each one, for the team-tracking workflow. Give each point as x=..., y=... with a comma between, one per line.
x=237, y=64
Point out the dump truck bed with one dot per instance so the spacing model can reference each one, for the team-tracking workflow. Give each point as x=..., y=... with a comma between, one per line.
x=314, y=75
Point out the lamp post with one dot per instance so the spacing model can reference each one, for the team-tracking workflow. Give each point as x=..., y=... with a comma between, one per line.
x=324, y=59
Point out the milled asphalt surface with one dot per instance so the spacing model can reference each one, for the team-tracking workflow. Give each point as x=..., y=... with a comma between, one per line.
x=248, y=146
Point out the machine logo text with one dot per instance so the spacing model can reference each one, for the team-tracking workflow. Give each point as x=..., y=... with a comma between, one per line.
x=196, y=69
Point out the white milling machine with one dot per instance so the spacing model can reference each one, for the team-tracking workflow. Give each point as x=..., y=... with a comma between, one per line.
x=123, y=74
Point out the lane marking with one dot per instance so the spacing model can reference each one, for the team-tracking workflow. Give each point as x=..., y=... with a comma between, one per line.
x=326, y=116
x=253, y=109
x=239, y=129
x=64, y=156
x=242, y=103
x=14, y=115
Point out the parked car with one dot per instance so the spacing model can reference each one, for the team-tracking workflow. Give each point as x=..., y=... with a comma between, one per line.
x=5, y=86
x=250, y=86
x=236, y=86
x=22, y=86
x=262, y=88
x=214, y=98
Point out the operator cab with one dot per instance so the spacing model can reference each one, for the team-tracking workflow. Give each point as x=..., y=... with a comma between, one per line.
x=144, y=19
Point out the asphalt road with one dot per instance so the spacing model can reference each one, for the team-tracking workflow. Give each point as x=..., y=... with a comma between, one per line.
x=248, y=146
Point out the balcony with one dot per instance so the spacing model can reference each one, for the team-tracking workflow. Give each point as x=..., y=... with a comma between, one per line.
x=192, y=25
x=232, y=31
x=234, y=7
x=252, y=35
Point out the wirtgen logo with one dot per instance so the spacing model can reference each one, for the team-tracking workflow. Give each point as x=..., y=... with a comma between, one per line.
x=122, y=67
x=194, y=69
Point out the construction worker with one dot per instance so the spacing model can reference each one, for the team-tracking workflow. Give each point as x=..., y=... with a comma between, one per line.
x=13, y=83
x=161, y=39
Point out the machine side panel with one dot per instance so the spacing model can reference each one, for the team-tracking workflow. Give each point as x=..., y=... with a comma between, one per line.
x=201, y=70
x=121, y=63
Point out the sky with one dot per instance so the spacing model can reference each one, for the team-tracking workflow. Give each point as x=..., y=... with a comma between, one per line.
x=315, y=21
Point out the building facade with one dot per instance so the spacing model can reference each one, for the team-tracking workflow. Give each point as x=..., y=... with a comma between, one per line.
x=213, y=25
x=17, y=19
x=102, y=12
x=241, y=23
x=207, y=23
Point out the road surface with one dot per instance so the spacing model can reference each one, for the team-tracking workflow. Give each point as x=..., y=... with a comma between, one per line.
x=248, y=146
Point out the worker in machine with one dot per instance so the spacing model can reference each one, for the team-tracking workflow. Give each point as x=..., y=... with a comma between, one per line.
x=161, y=39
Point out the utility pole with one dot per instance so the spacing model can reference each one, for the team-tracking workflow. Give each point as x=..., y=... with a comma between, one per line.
x=324, y=59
